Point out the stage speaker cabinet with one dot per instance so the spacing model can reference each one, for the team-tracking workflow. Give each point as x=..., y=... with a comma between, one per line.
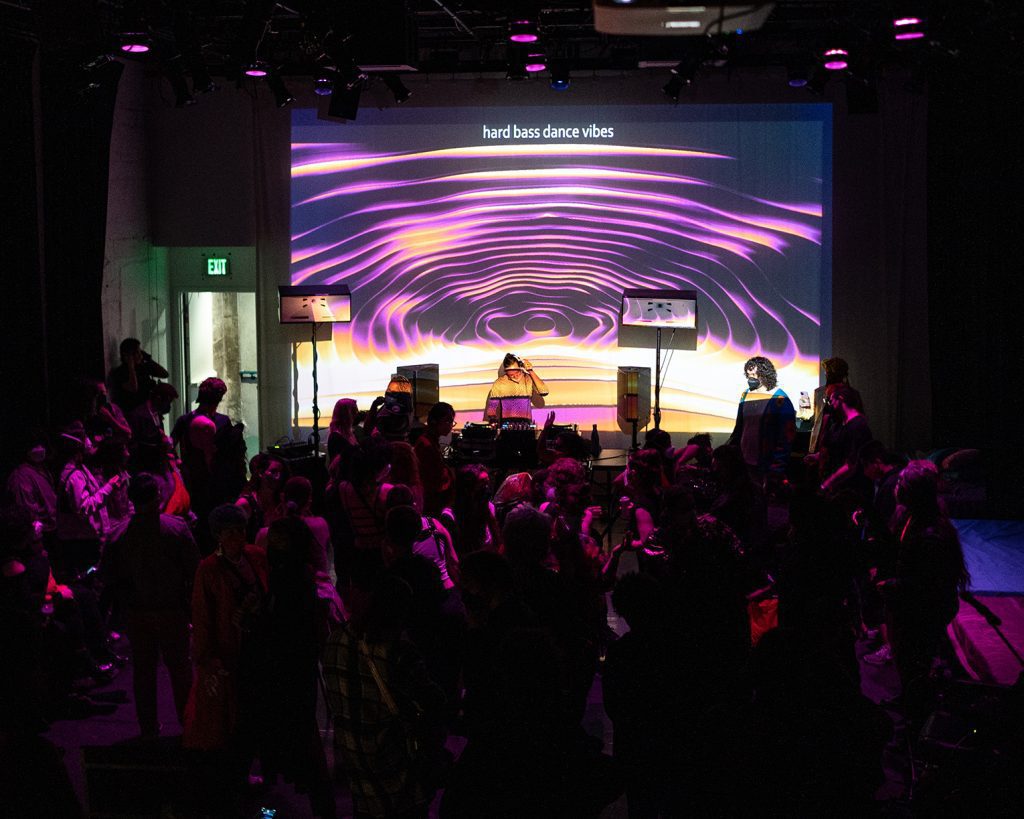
x=634, y=398
x=425, y=380
x=303, y=462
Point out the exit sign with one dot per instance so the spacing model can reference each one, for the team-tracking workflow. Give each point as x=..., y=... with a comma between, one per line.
x=216, y=267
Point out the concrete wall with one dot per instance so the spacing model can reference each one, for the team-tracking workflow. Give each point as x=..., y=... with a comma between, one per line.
x=135, y=286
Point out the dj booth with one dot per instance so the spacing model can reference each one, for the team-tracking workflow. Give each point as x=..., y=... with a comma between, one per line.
x=510, y=444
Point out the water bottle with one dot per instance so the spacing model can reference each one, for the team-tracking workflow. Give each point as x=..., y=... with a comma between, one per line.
x=804, y=406
x=595, y=442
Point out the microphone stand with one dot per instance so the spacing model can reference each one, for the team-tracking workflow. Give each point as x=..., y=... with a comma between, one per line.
x=315, y=437
x=993, y=620
x=657, y=381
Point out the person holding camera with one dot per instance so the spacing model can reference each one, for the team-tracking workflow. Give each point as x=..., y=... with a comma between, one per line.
x=132, y=381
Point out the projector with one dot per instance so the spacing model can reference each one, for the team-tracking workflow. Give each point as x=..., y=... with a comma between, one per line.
x=653, y=18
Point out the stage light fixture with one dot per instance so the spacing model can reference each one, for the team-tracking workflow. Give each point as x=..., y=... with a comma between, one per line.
x=202, y=82
x=797, y=76
x=323, y=85
x=673, y=88
x=522, y=31
x=175, y=74
x=836, y=59
x=535, y=63
x=516, y=68
x=908, y=28
x=683, y=74
x=560, y=80
x=396, y=87
x=135, y=42
x=256, y=69
x=282, y=97
x=346, y=93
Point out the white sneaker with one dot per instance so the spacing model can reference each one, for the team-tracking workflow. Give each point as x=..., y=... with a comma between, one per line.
x=880, y=657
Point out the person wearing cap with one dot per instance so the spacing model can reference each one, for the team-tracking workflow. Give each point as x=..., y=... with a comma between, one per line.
x=515, y=391
x=83, y=524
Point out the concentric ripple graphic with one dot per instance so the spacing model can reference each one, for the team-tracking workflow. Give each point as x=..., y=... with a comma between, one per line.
x=467, y=233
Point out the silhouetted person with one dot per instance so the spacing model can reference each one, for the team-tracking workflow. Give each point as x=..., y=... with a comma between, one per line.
x=150, y=569
x=529, y=763
x=210, y=463
x=765, y=422
x=371, y=672
x=493, y=610
x=133, y=379
x=286, y=679
x=922, y=597
x=644, y=687
x=807, y=744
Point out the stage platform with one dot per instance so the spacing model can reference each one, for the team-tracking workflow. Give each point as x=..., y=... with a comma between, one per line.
x=994, y=550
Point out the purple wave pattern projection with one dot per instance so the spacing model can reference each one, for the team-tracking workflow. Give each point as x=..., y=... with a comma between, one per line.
x=528, y=247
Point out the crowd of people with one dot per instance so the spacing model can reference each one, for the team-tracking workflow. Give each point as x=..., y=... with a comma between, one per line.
x=427, y=598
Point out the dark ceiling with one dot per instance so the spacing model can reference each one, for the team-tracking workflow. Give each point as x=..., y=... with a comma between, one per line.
x=299, y=37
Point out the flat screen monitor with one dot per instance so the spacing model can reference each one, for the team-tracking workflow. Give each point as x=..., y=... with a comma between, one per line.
x=673, y=309
x=326, y=304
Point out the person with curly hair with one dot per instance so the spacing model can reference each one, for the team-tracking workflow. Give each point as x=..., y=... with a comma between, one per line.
x=765, y=421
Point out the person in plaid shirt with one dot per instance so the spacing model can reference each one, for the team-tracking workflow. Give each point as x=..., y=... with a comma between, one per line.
x=369, y=737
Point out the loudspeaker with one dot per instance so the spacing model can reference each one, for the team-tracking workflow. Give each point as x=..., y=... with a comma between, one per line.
x=634, y=398
x=425, y=380
x=344, y=102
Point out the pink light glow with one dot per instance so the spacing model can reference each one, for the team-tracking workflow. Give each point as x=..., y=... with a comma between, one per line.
x=533, y=68
x=135, y=48
x=835, y=52
x=907, y=21
x=255, y=72
x=836, y=65
x=909, y=35
x=522, y=31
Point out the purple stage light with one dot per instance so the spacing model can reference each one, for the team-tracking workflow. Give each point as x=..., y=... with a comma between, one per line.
x=908, y=28
x=537, y=64
x=835, y=59
x=522, y=31
x=135, y=48
x=256, y=70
